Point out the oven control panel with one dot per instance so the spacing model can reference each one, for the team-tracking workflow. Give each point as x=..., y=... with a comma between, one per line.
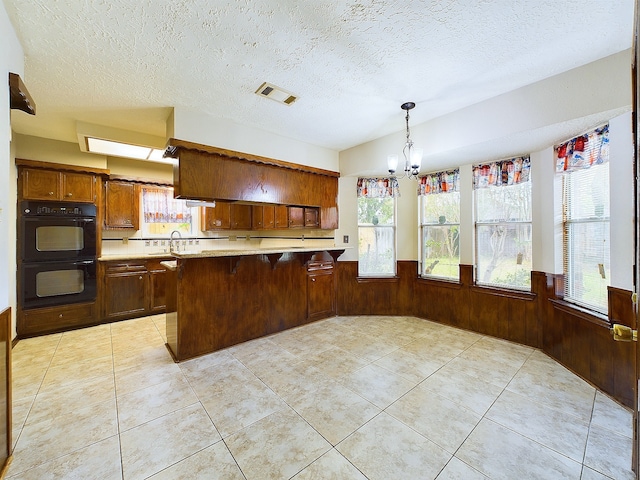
x=58, y=209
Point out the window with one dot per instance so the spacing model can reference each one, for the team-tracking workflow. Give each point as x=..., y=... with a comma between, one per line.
x=439, y=199
x=586, y=254
x=502, y=193
x=377, y=227
x=161, y=213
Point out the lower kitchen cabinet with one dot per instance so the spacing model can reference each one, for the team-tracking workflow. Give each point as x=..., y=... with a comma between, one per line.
x=157, y=286
x=53, y=319
x=321, y=290
x=133, y=289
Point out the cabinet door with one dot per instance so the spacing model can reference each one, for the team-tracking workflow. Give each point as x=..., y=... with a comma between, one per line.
x=240, y=217
x=257, y=217
x=281, y=213
x=216, y=218
x=40, y=184
x=122, y=206
x=124, y=294
x=157, y=289
x=311, y=218
x=78, y=187
x=269, y=217
x=320, y=295
x=296, y=217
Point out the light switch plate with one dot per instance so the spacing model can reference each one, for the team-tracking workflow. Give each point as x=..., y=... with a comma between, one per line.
x=345, y=239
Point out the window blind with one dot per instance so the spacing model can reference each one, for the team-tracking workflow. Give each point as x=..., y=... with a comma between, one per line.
x=586, y=236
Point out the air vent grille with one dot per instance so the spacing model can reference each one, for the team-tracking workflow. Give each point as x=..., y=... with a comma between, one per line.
x=276, y=93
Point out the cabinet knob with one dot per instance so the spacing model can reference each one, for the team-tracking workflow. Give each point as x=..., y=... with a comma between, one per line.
x=50, y=193
x=60, y=316
x=140, y=277
x=69, y=194
x=313, y=279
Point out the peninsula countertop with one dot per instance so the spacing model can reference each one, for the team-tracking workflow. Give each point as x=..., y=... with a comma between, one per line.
x=254, y=251
x=228, y=252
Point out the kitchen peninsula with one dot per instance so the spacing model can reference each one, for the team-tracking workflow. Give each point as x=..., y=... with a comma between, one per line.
x=225, y=297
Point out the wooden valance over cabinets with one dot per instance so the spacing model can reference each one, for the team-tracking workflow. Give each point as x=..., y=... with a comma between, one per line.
x=19, y=97
x=209, y=173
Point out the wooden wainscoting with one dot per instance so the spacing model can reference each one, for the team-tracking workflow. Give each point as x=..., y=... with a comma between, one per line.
x=577, y=339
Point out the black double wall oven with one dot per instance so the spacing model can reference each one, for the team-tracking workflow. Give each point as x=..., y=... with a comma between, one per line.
x=57, y=253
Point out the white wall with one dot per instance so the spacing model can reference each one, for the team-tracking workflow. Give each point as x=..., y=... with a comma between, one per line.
x=555, y=109
x=11, y=60
x=201, y=128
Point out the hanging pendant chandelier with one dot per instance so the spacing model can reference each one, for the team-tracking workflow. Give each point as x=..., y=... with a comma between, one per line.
x=412, y=155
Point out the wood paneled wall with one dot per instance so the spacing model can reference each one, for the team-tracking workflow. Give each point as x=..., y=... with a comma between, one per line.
x=579, y=340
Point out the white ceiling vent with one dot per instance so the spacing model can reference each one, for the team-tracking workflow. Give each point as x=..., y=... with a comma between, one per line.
x=276, y=93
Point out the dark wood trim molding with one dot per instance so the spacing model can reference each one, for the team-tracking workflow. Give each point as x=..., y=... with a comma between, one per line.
x=20, y=162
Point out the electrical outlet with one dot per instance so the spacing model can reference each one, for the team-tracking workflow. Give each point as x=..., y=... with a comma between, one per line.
x=147, y=243
x=233, y=238
x=345, y=239
x=125, y=240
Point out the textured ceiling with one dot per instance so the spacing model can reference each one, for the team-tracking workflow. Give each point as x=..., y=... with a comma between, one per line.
x=124, y=63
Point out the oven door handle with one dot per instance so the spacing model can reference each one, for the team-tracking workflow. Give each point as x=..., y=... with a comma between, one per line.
x=84, y=262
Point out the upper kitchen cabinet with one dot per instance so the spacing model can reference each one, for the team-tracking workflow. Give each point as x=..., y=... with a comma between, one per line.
x=225, y=216
x=52, y=185
x=281, y=216
x=216, y=218
x=51, y=181
x=122, y=205
x=209, y=173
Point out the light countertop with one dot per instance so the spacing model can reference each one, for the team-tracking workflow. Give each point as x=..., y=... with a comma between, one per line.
x=253, y=251
x=217, y=253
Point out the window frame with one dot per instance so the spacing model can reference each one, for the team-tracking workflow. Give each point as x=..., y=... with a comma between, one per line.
x=423, y=227
x=499, y=223
x=393, y=227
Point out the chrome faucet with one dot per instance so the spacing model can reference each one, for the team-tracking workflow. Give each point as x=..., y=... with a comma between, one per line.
x=171, y=241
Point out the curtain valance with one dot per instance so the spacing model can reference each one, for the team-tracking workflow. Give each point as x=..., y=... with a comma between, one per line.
x=583, y=151
x=502, y=173
x=440, y=182
x=159, y=206
x=378, y=187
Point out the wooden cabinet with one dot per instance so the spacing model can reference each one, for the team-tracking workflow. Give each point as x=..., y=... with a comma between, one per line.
x=157, y=287
x=321, y=290
x=269, y=217
x=281, y=217
x=53, y=319
x=257, y=217
x=122, y=201
x=225, y=216
x=263, y=217
x=296, y=217
x=133, y=289
x=41, y=184
x=311, y=217
x=240, y=217
x=216, y=218
x=124, y=288
x=78, y=187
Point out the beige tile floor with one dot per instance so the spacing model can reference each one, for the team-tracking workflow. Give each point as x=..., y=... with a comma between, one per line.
x=345, y=398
